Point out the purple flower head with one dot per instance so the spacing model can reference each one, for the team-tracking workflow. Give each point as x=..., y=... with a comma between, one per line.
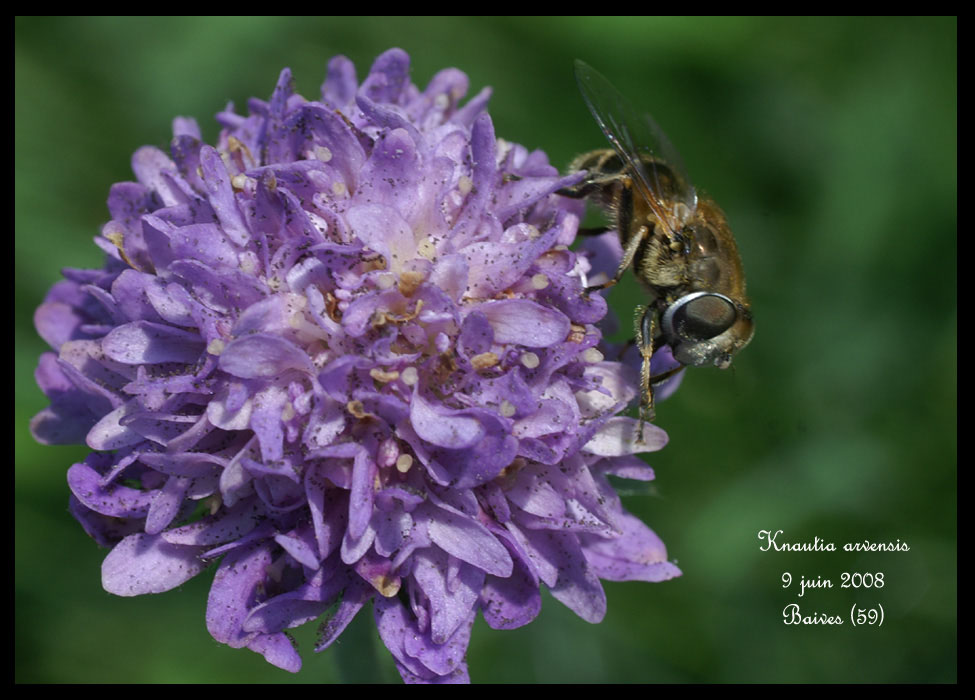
x=345, y=356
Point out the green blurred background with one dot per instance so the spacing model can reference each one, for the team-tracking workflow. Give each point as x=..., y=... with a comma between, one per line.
x=830, y=143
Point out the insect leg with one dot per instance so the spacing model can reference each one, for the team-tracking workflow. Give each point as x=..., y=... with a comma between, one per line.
x=644, y=321
x=629, y=253
x=592, y=183
x=633, y=239
x=664, y=376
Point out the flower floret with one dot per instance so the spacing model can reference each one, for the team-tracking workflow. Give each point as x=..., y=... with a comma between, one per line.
x=345, y=357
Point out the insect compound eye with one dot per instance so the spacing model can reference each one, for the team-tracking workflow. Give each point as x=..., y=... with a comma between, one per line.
x=699, y=316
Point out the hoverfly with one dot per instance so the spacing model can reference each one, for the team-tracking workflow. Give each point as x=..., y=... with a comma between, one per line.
x=678, y=243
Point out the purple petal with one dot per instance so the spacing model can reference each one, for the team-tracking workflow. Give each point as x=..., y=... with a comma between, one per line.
x=450, y=606
x=387, y=77
x=127, y=203
x=190, y=464
x=627, y=467
x=340, y=83
x=378, y=571
x=451, y=274
x=364, y=474
x=525, y=322
x=551, y=416
x=393, y=529
x=534, y=492
x=494, y=266
x=329, y=513
x=483, y=150
x=72, y=412
x=144, y=342
x=266, y=421
x=459, y=676
x=150, y=166
x=576, y=586
x=186, y=126
x=222, y=196
x=110, y=434
x=446, y=428
x=520, y=194
x=142, y=564
x=64, y=424
x=225, y=413
x=382, y=229
x=354, y=548
x=325, y=422
x=637, y=555
x=397, y=627
x=512, y=602
x=468, y=540
x=616, y=384
x=450, y=82
x=447, y=659
x=130, y=292
x=166, y=505
x=273, y=314
x=278, y=650
x=263, y=355
x=353, y=597
x=57, y=322
x=326, y=129
x=618, y=437
x=228, y=525
x=85, y=365
x=470, y=467
x=273, y=138
x=238, y=578
x=168, y=303
x=286, y=611
x=114, y=500
x=301, y=605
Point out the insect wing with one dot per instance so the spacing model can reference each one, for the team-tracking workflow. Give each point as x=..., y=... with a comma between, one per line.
x=635, y=136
